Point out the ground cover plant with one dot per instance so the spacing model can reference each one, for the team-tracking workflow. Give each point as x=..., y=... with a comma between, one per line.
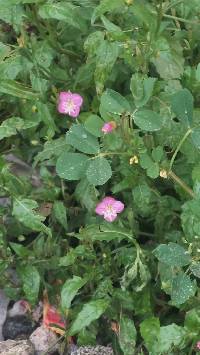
x=100, y=168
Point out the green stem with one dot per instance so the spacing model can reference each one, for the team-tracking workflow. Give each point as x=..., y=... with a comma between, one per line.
x=181, y=19
x=181, y=183
x=178, y=147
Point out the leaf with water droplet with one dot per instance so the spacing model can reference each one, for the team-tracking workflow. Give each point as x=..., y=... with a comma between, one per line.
x=71, y=166
x=99, y=171
x=182, y=105
x=148, y=120
x=82, y=140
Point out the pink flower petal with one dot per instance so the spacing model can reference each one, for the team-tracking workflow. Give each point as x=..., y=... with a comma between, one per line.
x=110, y=217
x=100, y=208
x=118, y=206
x=75, y=112
x=77, y=99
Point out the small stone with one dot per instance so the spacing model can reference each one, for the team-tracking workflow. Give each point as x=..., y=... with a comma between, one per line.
x=93, y=350
x=44, y=339
x=18, y=327
x=4, y=301
x=13, y=347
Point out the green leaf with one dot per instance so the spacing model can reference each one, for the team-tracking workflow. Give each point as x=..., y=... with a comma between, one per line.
x=93, y=124
x=62, y=11
x=69, y=291
x=24, y=211
x=107, y=54
x=148, y=120
x=192, y=321
x=113, y=103
x=196, y=137
x=4, y=51
x=86, y=194
x=10, y=127
x=172, y=255
x=45, y=115
x=31, y=282
x=106, y=6
x=103, y=233
x=142, y=89
x=150, y=331
x=71, y=166
x=171, y=337
x=98, y=171
x=195, y=268
x=20, y=250
x=127, y=336
x=51, y=148
x=182, y=105
x=16, y=89
x=168, y=59
x=157, y=153
x=115, y=32
x=190, y=219
x=82, y=140
x=90, y=312
x=182, y=289
x=60, y=213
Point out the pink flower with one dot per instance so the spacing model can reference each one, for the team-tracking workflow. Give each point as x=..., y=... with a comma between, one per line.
x=109, y=208
x=108, y=127
x=198, y=345
x=69, y=103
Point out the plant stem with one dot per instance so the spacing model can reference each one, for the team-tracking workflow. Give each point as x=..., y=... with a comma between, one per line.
x=181, y=19
x=178, y=147
x=181, y=183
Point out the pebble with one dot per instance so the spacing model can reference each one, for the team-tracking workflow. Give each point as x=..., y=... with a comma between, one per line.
x=43, y=339
x=93, y=350
x=4, y=301
x=13, y=347
x=18, y=327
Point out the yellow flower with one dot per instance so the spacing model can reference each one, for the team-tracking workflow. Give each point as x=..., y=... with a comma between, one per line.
x=133, y=160
x=163, y=174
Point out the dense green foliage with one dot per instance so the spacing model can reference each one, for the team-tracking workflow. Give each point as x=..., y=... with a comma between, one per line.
x=133, y=282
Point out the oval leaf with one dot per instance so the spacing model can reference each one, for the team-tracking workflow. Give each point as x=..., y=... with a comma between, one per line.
x=31, y=282
x=148, y=120
x=71, y=166
x=99, y=171
x=90, y=312
x=82, y=140
x=172, y=254
x=70, y=289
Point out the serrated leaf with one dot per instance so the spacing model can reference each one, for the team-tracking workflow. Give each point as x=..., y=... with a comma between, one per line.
x=172, y=255
x=182, y=289
x=69, y=291
x=148, y=120
x=71, y=166
x=98, y=171
x=60, y=213
x=31, y=282
x=90, y=312
x=182, y=106
x=127, y=336
x=24, y=211
x=82, y=140
x=102, y=232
